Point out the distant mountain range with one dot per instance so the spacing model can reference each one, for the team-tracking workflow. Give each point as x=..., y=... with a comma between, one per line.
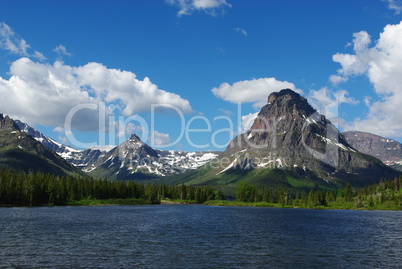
x=288, y=145
x=132, y=160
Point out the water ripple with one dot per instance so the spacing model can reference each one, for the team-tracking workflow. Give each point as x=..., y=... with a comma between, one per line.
x=198, y=237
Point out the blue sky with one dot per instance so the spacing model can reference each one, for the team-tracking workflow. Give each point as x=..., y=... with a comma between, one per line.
x=206, y=66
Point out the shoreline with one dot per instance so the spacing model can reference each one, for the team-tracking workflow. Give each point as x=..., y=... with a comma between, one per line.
x=349, y=206
x=117, y=202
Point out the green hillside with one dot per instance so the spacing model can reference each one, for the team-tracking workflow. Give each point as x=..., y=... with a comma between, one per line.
x=20, y=151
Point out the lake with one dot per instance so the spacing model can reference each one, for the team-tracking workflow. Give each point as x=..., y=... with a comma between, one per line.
x=197, y=236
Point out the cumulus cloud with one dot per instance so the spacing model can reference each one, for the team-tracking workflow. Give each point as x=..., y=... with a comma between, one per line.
x=395, y=5
x=335, y=79
x=247, y=121
x=159, y=139
x=11, y=41
x=382, y=64
x=251, y=91
x=241, y=31
x=327, y=102
x=44, y=93
x=211, y=7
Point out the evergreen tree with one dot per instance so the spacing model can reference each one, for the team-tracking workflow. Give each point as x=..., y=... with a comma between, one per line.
x=348, y=195
x=243, y=192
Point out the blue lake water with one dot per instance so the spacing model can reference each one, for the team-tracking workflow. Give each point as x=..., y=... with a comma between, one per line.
x=195, y=236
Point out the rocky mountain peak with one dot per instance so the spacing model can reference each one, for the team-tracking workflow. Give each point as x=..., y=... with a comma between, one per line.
x=288, y=133
x=286, y=102
x=6, y=123
x=135, y=145
x=286, y=110
x=288, y=93
x=135, y=138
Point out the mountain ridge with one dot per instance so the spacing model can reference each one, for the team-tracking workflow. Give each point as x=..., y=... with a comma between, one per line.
x=79, y=158
x=92, y=159
x=135, y=160
x=389, y=151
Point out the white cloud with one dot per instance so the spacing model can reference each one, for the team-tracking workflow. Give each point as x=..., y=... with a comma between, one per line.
x=382, y=64
x=241, y=31
x=367, y=100
x=251, y=91
x=123, y=86
x=335, y=79
x=354, y=64
x=247, y=121
x=125, y=130
x=12, y=42
x=159, y=139
x=327, y=102
x=43, y=93
x=39, y=56
x=58, y=129
x=61, y=50
x=211, y=7
x=395, y=5
x=62, y=137
x=325, y=96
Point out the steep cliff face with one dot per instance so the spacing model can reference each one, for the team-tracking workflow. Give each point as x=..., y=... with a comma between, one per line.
x=6, y=123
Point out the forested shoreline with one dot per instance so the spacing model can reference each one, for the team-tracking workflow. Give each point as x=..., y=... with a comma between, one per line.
x=386, y=195
x=38, y=189
x=21, y=189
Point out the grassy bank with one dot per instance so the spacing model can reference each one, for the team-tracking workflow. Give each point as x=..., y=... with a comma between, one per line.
x=177, y=202
x=387, y=205
x=128, y=201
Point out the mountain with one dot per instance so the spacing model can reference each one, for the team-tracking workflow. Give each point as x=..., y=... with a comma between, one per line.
x=20, y=151
x=387, y=150
x=135, y=160
x=153, y=164
x=46, y=141
x=79, y=158
x=290, y=144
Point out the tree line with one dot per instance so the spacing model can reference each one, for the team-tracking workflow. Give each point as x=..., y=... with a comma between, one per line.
x=369, y=196
x=285, y=196
x=30, y=189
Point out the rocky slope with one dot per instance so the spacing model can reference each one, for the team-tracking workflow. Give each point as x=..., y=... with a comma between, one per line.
x=79, y=158
x=135, y=160
x=387, y=150
x=20, y=151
